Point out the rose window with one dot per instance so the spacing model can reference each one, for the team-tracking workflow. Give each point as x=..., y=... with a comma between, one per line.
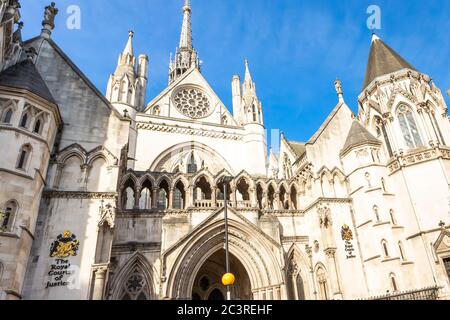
x=192, y=103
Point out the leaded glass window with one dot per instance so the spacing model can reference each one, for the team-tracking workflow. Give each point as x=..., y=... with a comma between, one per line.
x=409, y=127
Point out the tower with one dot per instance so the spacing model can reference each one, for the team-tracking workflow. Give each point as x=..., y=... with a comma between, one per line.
x=11, y=44
x=401, y=105
x=128, y=84
x=247, y=111
x=186, y=57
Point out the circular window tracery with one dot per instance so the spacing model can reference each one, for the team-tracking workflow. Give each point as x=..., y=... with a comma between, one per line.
x=192, y=103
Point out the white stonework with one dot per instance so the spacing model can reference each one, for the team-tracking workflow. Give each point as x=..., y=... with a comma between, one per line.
x=109, y=197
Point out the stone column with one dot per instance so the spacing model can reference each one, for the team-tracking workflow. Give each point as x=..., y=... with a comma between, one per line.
x=214, y=196
x=137, y=198
x=190, y=196
x=233, y=197
x=154, y=197
x=99, y=282
x=333, y=272
x=253, y=197
x=171, y=193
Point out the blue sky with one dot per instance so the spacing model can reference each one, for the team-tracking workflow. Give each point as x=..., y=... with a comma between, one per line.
x=296, y=48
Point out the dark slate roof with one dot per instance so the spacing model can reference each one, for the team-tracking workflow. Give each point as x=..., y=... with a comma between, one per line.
x=383, y=60
x=24, y=75
x=358, y=135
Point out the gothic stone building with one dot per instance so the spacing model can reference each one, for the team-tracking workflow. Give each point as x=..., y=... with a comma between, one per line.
x=106, y=196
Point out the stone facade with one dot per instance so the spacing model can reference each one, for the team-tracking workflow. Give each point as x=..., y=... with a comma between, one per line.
x=109, y=197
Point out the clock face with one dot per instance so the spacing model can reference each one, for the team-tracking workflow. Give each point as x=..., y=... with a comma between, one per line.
x=192, y=103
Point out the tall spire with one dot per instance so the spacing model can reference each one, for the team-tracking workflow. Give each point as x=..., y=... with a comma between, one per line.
x=127, y=60
x=248, y=76
x=186, y=31
x=383, y=60
x=129, y=47
x=186, y=56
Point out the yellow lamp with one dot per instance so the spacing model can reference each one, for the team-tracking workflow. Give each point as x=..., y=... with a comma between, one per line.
x=228, y=279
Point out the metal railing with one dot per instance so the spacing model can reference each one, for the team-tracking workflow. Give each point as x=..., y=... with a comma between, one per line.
x=429, y=293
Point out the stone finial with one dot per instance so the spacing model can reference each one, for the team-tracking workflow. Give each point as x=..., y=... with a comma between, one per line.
x=442, y=224
x=48, y=23
x=339, y=91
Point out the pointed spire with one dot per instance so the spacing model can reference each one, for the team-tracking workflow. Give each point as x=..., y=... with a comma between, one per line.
x=375, y=37
x=248, y=76
x=129, y=47
x=185, y=56
x=186, y=31
x=383, y=60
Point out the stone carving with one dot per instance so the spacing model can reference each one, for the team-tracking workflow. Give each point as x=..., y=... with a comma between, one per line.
x=66, y=245
x=325, y=217
x=192, y=103
x=107, y=215
x=49, y=15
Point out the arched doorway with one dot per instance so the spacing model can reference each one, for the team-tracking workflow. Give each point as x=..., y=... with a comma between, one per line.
x=208, y=283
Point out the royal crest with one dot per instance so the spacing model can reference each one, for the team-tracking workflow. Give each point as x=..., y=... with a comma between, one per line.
x=66, y=245
x=346, y=232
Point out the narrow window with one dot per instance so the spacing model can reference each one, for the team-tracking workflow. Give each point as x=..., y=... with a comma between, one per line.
x=436, y=128
x=37, y=126
x=24, y=121
x=394, y=283
x=7, y=117
x=447, y=266
x=24, y=155
x=409, y=127
x=385, y=248
x=376, y=213
x=7, y=217
x=402, y=251
x=392, y=214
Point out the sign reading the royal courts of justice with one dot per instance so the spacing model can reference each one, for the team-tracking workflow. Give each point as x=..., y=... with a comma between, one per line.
x=61, y=271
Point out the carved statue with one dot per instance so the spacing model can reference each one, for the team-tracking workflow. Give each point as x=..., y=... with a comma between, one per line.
x=49, y=15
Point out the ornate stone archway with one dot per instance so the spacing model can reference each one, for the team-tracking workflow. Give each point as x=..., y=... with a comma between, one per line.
x=258, y=253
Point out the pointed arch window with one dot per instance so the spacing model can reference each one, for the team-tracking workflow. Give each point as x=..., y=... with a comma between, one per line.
x=409, y=127
x=381, y=131
x=7, y=116
x=436, y=127
x=376, y=212
x=192, y=164
x=393, y=219
x=402, y=251
x=394, y=284
x=323, y=284
x=145, y=200
x=24, y=120
x=384, y=246
x=38, y=125
x=7, y=216
x=179, y=196
x=254, y=113
x=24, y=156
x=135, y=287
